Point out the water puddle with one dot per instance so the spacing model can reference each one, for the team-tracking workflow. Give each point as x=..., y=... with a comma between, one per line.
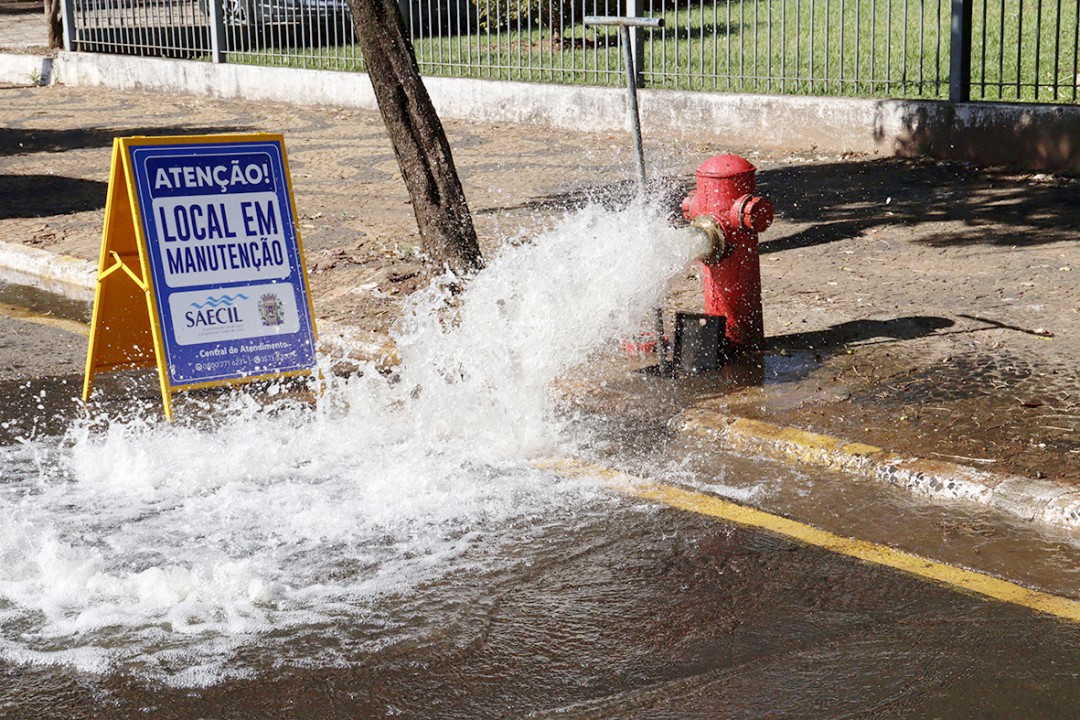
x=387, y=548
x=256, y=536
x=40, y=301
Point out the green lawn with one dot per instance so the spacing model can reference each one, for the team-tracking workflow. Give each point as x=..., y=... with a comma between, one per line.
x=1023, y=49
x=1026, y=50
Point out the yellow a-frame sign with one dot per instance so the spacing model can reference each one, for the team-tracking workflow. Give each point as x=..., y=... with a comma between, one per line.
x=201, y=272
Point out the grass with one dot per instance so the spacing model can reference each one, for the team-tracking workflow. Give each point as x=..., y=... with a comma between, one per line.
x=1026, y=50
x=1023, y=50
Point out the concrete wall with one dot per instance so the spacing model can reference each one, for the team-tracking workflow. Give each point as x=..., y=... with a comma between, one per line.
x=25, y=69
x=1038, y=137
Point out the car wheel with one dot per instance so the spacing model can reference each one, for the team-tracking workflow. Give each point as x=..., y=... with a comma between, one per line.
x=237, y=12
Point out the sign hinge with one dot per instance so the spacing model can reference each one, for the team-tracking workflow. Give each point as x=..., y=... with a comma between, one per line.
x=121, y=265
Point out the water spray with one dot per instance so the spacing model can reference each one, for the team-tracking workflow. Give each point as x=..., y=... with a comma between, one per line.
x=624, y=24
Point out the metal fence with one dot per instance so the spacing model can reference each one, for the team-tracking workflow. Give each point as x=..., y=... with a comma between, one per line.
x=1025, y=50
x=1020, y=50
x=177, y=27
x=819, y=47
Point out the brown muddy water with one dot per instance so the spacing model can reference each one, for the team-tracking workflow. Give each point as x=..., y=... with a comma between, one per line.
x=563, y=599
x=391, y=551
x=635, y=613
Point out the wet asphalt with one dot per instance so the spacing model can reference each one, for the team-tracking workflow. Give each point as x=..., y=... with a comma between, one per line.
x=921, y=307
x=636, y=612
x=660, y=615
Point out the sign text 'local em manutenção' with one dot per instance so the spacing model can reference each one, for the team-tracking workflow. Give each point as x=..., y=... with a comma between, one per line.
x=215, y=228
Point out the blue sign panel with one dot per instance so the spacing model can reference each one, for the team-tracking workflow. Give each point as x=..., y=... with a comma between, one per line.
x=228, y=275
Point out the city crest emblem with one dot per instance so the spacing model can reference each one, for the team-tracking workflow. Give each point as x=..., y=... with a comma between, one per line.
x=270, y=310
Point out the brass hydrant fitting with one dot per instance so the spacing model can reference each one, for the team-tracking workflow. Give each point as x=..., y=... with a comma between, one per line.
x=707, y=226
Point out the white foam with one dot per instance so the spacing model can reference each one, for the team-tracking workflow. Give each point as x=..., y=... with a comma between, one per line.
x=164, y=549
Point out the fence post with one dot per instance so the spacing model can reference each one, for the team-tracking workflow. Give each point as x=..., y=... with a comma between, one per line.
x=67, y=15
x=960, y=52
x=637, y=50
x=217, y=30
x=405, y=8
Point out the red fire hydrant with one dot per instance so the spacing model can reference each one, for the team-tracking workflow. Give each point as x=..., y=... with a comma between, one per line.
x=725, y=209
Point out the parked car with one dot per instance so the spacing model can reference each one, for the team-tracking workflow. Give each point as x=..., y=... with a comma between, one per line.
x=264, y=12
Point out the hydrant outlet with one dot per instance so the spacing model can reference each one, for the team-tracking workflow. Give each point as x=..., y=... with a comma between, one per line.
x=713, y=235
x=752, y=213
x=687, y=205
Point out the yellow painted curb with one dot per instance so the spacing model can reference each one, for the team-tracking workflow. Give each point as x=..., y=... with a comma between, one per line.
x=712, y=506
x=1036, y=500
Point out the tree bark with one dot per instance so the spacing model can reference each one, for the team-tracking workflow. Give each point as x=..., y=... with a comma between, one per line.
x=423, y=152
x=55, y=25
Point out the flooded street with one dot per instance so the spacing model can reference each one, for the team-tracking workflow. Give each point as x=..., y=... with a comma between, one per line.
x=389, y=548
x=619, y=612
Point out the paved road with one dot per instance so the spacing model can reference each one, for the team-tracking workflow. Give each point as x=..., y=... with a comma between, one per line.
x=606, y=608
x=42, y=350
x=663, y=616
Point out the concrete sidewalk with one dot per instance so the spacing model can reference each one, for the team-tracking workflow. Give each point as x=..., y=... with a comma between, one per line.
x=22, y=26
x=25, y=58
x=927, y=310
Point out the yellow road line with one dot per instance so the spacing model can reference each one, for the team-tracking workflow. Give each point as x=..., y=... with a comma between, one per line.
x=18, y=313
x=712, y=506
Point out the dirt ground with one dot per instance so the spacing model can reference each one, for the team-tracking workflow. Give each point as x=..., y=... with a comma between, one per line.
x=929, y=308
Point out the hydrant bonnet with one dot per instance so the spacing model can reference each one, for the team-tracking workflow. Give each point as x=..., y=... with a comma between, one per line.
x=753, y=213
x=724, y=166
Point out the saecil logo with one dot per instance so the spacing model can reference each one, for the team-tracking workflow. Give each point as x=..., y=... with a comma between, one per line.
x=215, y=311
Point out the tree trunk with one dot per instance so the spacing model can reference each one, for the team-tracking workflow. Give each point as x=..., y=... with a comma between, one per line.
x=56, y=26
x=423, y=153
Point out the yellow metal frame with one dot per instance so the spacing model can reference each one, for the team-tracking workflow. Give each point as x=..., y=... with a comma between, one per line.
x=120, y=317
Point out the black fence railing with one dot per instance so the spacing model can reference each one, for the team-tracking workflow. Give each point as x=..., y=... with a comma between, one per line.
x=1025, y=50
x=1007, y=50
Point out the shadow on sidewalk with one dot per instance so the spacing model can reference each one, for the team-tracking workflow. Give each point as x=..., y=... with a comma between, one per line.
x=848, y=333
x=22, y=7
x=19, y=141
x=29, y=196
x=844, y=200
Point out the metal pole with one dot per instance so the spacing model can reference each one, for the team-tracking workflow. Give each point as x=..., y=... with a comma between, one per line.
x=67, y=15
x=217, y=30
x=624, y=24
x=405, y=8
x=635, y=43
x=960, y=52
x=635, y=119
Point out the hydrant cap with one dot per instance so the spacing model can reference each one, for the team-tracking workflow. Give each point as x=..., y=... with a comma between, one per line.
x=724, y=166
x=757, y=214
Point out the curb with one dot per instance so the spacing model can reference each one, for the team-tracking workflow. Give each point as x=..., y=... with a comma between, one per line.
x=1020, y=135
x=62, y=274
x=28, y=70
x=1031, y=500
